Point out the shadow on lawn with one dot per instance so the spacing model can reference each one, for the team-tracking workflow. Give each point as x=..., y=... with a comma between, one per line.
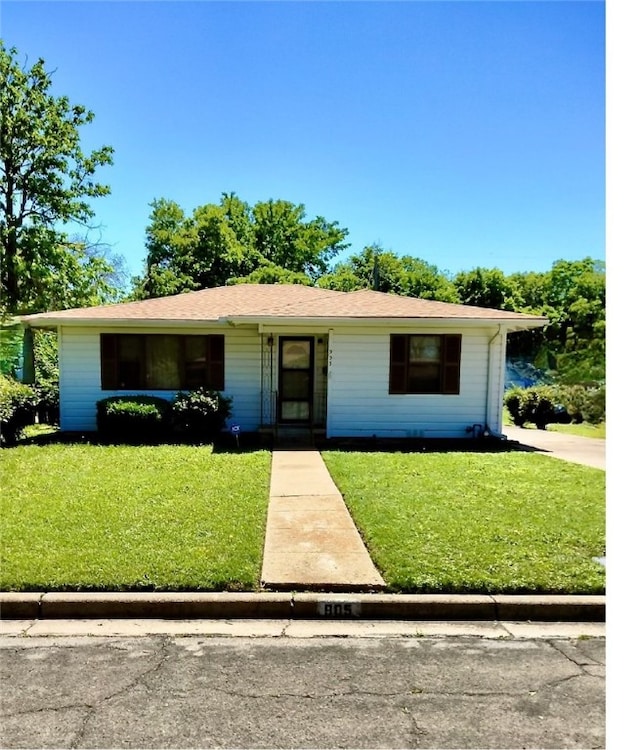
x=252, y=441
x=422, y=445
x=223, y=444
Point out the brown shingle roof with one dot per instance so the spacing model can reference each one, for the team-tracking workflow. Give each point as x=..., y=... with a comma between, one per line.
x=286, y=301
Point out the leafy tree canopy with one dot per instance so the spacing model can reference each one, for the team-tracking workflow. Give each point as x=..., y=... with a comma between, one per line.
x=231, y=242
x=384, y=271
x=488, y=287
x=47, y=181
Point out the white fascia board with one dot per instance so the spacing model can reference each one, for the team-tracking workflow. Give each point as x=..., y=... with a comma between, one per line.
x=509, y=323
x=121, y=323
x=239, y=320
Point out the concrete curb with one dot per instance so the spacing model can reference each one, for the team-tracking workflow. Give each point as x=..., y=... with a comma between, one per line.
x=301, y=606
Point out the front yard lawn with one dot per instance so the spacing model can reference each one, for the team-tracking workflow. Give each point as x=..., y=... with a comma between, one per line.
x=175, y=517
x=170, y=517
x=477, y=522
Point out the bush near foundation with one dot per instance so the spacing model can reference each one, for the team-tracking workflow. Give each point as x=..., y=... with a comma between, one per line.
x=200, y=414
x=133, y=418
x=194, y=416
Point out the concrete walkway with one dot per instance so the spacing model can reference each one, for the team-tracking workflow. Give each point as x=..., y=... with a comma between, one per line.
x=579, y=450
x=311, y=541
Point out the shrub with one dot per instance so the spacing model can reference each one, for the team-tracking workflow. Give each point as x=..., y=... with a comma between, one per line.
x=200, y=414
x=17, y=405
x=524, y=405
x=594, y=410
x=538, y=405
x=47, y=383
x=133, y=418
x=543, y=410
x=515, y=401
x=584, y=402
x=547, y=404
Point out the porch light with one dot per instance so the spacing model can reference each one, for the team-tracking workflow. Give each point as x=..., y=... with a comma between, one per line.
x=270, y=340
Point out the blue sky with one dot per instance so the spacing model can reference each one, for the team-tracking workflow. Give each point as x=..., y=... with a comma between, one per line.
x=465, y=133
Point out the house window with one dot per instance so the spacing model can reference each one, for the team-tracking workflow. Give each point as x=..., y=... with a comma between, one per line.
x=164, y=362
x=425, y=363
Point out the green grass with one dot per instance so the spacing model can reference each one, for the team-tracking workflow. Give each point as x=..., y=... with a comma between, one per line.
x=581, y=430
x=92, y=517
x=477, y=522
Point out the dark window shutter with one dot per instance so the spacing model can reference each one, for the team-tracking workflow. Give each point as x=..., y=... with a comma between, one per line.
x=216, y=363
x=451, y=363
x=109, y=361
x=398, y=364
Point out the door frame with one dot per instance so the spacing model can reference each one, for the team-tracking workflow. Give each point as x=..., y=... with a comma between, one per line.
x=311, y=370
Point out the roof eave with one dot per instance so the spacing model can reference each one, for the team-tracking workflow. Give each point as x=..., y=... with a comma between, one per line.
x=510, y=324
x=41, y=322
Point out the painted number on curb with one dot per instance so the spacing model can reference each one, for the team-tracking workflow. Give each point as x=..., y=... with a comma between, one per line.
x=339, y=609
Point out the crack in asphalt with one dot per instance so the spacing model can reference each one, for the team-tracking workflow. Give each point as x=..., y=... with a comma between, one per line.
x=592, y=661
x=44, y=709
x=408, y=693
x=160, y=649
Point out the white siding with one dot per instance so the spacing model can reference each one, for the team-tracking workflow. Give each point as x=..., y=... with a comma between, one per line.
x=80, y=374
x=358, y=399
x=359, y=403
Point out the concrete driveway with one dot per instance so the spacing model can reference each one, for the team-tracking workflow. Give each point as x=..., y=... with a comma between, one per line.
x=578, y=450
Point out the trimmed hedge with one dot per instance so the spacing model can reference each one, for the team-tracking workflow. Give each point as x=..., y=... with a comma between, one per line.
x=17, y=408
x=133, y=418
x=198, y=415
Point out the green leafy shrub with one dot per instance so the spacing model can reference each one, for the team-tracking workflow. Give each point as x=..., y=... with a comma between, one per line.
x=538, y=405
x=515, y=401
x=200, y=414
x=133, y=418
x=549, y=404
x=583, y=402
x=17, y=408
x=542, y=407
x=594, y=410
x=47, y=383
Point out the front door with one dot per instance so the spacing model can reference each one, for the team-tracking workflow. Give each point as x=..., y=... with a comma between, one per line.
x=296, y=379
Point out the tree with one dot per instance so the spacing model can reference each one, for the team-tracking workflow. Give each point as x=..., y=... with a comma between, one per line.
x=272, y=274
x=487, y=287
x=384, y=271
x=284, y=238
x=78, y=275
x=47, y=180
x=572, y=295
x=232, y=242
x=575, y=296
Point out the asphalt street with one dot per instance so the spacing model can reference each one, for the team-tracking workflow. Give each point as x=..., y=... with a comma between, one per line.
x=481, y=686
